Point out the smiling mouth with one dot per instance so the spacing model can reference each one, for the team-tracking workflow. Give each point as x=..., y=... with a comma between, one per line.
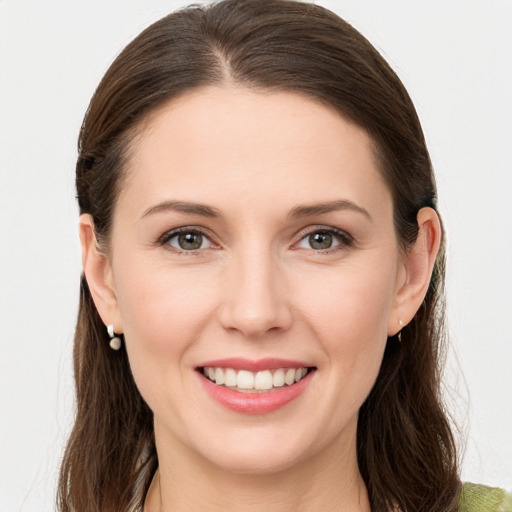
x=245, y=381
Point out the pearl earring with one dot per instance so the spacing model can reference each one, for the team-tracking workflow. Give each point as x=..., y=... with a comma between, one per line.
x=400, y=323
x=115, y=341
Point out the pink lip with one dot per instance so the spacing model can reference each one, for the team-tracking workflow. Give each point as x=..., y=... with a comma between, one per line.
x=255, y=403
x=268, y=363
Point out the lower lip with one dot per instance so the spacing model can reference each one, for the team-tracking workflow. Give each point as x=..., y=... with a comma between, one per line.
x=255, y=403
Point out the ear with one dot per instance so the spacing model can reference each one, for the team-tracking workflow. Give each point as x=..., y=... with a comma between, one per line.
x=98, y=273
x=417, y=268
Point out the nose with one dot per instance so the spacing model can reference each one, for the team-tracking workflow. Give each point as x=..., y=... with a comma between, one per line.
x=256, y=300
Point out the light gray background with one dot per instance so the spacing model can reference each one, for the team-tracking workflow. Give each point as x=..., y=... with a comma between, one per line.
x=455, y=58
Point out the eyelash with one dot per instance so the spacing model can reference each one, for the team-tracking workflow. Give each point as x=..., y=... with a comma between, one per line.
x=345, y=240
x=168, y=236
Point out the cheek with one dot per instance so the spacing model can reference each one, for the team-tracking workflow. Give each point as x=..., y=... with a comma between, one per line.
x=162, y=308
x=345, y=311
x=163, y=311
x=349, y=303
x=349, y=316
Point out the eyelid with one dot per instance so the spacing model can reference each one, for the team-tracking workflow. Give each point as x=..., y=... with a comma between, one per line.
x=345, y=238
x=168, y=235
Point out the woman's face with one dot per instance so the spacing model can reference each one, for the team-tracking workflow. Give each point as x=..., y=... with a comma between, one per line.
x=254, y=233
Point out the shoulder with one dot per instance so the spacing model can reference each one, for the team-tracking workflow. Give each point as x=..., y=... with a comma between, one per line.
x=481, y=498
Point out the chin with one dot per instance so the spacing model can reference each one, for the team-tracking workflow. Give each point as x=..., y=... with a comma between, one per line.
x=260, y=463
x=246, y=452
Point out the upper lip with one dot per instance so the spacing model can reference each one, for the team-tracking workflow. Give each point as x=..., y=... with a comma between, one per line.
x=254, y=365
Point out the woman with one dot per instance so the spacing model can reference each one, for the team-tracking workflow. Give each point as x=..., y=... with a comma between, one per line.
x=261, y=315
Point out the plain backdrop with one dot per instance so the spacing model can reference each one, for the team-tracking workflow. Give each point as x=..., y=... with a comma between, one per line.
x=455, y=58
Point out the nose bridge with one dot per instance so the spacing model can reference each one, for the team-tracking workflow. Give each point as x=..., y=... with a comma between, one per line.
x=255, y=294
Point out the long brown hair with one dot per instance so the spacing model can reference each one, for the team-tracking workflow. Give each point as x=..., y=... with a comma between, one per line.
x=406, y=451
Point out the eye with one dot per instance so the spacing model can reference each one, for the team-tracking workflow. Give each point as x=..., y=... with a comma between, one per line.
x=324, y=239
x=188, y=240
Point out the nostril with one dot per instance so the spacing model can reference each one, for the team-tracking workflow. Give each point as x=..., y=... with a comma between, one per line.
x=255, y=311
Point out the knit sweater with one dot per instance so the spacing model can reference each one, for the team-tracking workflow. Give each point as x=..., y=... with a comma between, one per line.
x=480, y=498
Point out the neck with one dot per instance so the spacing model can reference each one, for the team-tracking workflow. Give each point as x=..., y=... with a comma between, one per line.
x=329, y=481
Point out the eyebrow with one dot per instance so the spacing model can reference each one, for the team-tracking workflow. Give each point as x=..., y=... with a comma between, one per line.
x=183, y=207
x=328, y=207
x=213, y=213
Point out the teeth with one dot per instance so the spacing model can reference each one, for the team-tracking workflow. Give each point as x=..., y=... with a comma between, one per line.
x=219, y=376
x=278, y=378
x=259, y=381
x=230, y=377
x=299, y=373
x=263, y=380
x=289, y=377
x=244, y=380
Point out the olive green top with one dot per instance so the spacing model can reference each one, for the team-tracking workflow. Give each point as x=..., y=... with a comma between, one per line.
x=480, y=498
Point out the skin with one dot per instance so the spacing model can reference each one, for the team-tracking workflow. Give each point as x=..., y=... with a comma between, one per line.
x=256, y=288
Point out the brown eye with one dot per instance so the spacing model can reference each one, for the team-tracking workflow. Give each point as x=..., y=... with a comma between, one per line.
x=189, y=241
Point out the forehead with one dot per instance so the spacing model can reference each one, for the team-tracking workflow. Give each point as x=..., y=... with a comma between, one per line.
x=223, y=143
